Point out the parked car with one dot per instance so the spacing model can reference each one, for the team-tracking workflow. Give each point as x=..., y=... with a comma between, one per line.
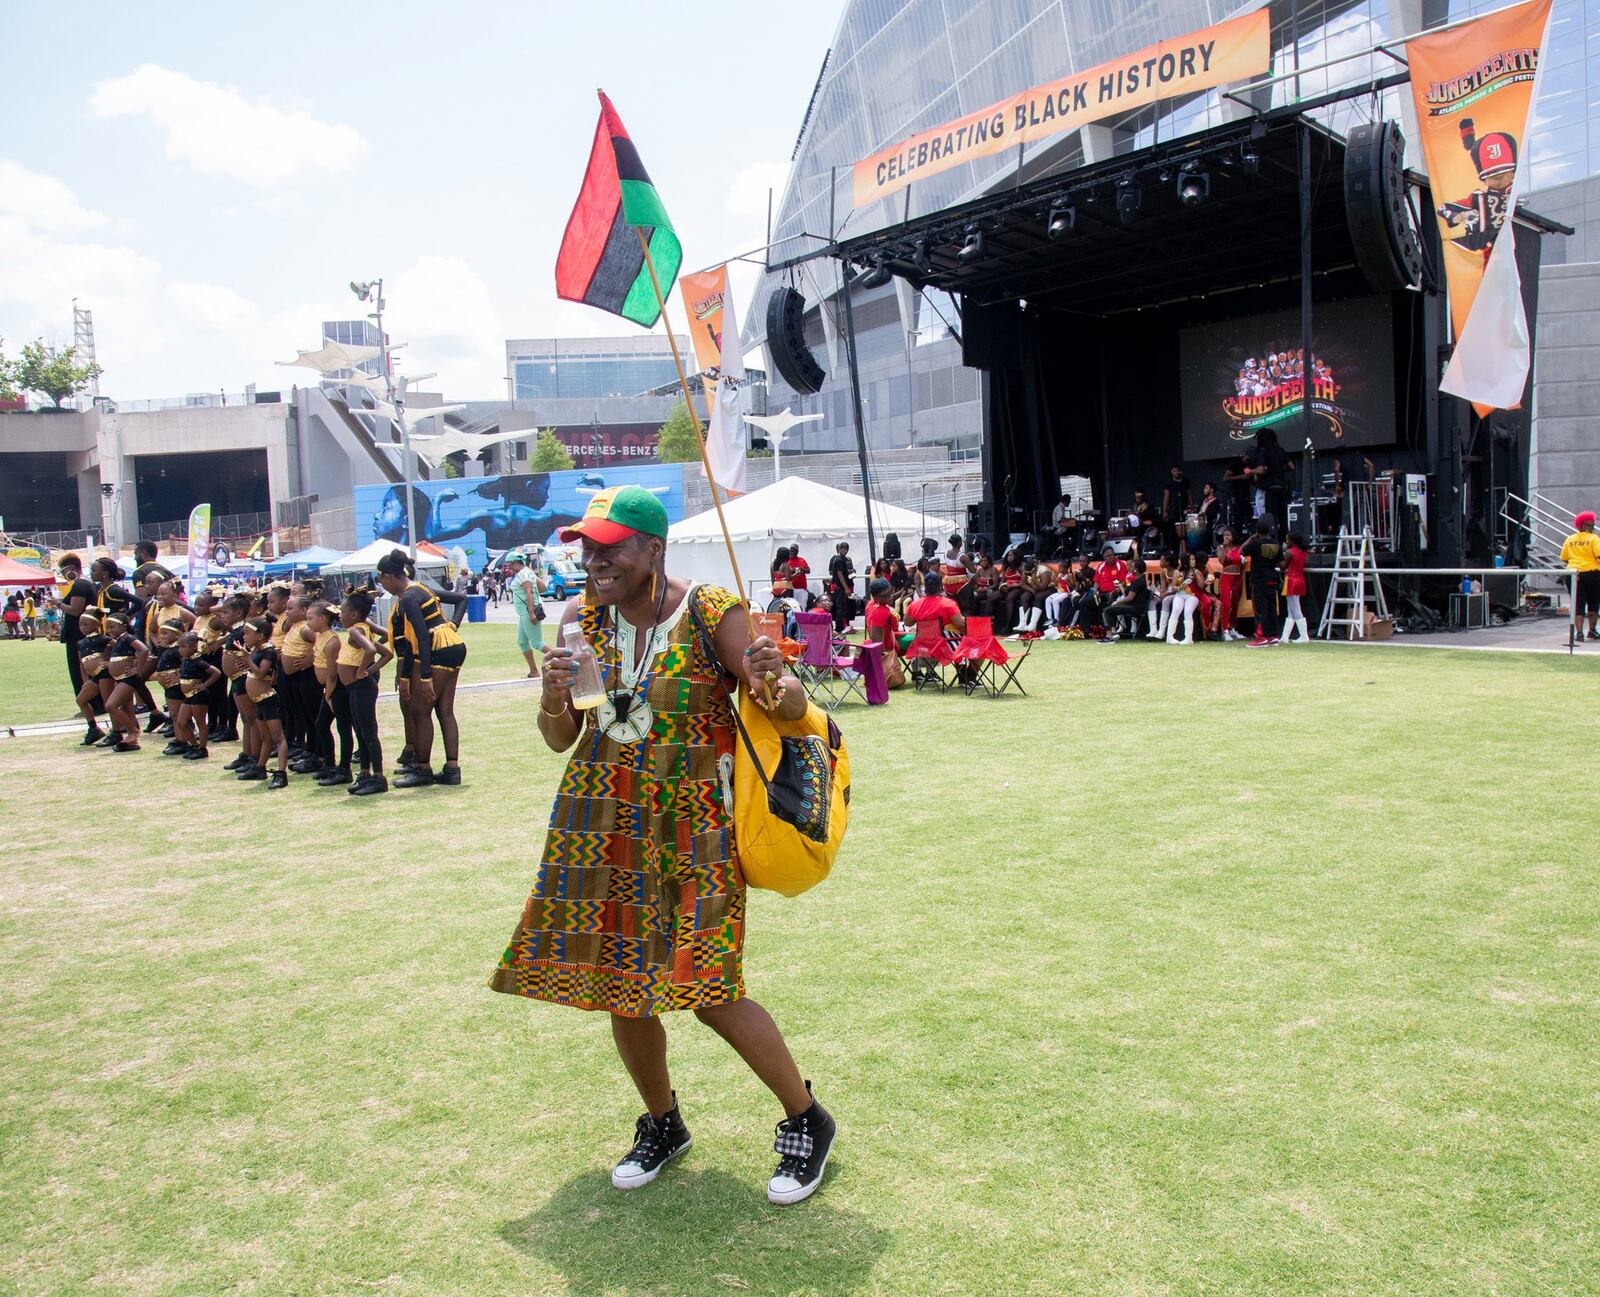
x=563, y=577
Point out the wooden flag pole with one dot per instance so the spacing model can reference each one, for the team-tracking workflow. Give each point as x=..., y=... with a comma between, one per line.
x=683, y=381
x=716, y=499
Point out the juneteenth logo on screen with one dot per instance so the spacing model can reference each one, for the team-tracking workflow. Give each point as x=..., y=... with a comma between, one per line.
x=1271, y=389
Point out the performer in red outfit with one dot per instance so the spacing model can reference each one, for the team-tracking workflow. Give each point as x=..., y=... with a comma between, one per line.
x=1294, y=589
x=1229, y=582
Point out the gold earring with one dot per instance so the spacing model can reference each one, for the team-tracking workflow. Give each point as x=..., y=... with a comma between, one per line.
x=652, y=587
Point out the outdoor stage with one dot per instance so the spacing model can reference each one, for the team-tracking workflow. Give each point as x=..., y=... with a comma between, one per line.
x=1111, y=342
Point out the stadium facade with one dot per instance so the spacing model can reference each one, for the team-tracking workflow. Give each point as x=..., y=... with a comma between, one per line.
x=900, y=66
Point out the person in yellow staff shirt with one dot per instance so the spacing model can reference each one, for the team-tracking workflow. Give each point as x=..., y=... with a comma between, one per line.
x=1581, y=553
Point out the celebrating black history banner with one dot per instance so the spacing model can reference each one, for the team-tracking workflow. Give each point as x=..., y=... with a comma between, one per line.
x=1228, y=51
x=1473, y=86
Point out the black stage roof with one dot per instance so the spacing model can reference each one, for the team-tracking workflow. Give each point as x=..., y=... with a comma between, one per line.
x=1245, y=233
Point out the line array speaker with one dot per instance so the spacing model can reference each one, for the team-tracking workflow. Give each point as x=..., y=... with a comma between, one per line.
x=1375, y=205
x=786, y=341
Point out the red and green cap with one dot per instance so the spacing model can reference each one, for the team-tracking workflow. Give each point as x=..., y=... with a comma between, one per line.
x=617, y=513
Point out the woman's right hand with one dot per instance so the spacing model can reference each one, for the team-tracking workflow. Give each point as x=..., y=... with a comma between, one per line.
x=557, y=678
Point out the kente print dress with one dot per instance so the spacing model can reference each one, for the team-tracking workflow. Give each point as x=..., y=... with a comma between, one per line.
x=638, y=907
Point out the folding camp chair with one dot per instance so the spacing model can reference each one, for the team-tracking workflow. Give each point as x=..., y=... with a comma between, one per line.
x=827, y=666
x=1004, y=674
x=928, y=656
x=979, y=657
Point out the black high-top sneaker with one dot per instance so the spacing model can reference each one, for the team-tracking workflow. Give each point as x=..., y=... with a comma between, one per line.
x=240, y=762
x=369, y=786
x=417, y=777
x=802, y=1147
x=91, y=736
x=280, y=779
x=656, y=1141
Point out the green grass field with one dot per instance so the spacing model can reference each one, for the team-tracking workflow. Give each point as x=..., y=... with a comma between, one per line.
x=1199, y=972
x=34, y=686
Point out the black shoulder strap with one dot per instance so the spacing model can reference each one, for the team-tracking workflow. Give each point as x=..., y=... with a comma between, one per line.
x=729, y=683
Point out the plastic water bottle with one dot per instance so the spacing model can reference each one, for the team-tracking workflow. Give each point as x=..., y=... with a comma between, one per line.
x=587, y=691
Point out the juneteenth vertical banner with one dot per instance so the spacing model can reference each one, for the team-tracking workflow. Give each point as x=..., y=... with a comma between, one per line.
x=1228, y=51
x=1473, y=86
x=703, y=295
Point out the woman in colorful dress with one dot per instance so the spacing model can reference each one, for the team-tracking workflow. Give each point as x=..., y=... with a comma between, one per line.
x=638, y=908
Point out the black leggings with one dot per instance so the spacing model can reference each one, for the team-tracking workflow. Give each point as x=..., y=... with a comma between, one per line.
x=320, y=736
x=339, y=704
x=304, y=696
x=363, y=698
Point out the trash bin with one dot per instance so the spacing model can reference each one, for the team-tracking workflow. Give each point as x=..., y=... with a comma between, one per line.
x=477, y=607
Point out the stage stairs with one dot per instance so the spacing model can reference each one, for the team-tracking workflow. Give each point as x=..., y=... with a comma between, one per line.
x=1542, y=524
x=1355, y=581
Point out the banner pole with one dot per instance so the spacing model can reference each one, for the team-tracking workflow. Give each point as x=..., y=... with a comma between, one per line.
x=705, y=461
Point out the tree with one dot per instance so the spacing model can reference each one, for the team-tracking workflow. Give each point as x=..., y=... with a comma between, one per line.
x=549, y=455
x=8, y=380
x=678, y=444
x=52, y=373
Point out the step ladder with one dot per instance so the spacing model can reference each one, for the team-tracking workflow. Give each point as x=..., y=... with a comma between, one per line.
x=1355, y=580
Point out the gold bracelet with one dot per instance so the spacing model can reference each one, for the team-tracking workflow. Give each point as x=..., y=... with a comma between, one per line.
x=552, y=715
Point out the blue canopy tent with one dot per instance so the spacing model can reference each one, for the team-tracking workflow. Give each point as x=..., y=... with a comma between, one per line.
x=308, y=560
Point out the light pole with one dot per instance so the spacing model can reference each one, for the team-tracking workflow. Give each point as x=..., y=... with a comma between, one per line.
x=372, y=291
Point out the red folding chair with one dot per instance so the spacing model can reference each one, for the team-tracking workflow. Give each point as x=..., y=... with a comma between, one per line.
x=979, y=656
x=928, y=655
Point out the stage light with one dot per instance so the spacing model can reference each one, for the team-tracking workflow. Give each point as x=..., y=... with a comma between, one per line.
x=1166, y=174
x=1194, y=187
x=1129, y=197
x=1063, y=219
x=878, y=276
x=919, y=257
x=1249, y=159
x=972, y=249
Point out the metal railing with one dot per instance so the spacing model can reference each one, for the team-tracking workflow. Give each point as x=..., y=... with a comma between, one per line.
x=198, y=400
x=225, y=526
x=1373, y=506
x=1542, y=525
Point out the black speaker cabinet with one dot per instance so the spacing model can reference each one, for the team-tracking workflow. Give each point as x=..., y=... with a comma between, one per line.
x=1375, y=205
x=786, y=341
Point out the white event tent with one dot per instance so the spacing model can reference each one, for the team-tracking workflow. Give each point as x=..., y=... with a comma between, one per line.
x=792, y=511
x=366, y=559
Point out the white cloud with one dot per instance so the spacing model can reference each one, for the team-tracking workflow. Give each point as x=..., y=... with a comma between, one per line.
x=43, y=200
x=216, y=130
x=747, y=194
x=445, y=314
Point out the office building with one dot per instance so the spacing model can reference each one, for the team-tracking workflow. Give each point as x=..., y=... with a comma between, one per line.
x=556, y=369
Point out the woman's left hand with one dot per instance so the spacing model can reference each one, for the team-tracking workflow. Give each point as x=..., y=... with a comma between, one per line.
x=763, y=667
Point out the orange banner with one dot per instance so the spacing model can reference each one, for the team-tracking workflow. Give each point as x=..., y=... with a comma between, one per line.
x=1228, y=51
x=702, y=300
x=1473, y=86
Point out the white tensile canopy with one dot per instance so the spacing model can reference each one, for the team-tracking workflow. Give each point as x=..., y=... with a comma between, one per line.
x=792, y=511
x=366, y=559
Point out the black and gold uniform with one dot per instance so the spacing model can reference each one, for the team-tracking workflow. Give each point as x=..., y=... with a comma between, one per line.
x=167, y=673
x=123, y=652
x=233, y=642
x=422, y=636
x=92, y=653
x=269, y=705
x=192, y=676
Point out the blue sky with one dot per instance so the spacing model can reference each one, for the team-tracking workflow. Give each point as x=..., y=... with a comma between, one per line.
x=208, y=178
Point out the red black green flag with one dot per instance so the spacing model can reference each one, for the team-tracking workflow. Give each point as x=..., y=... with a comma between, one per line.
x=600, y=262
